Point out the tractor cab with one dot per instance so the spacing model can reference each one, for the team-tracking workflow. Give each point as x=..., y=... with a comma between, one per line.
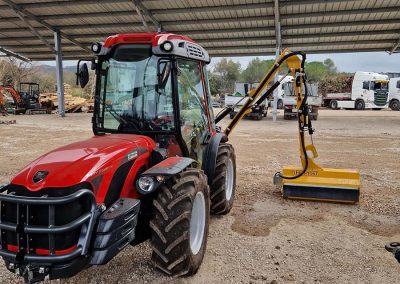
x=29, y=93
x=154, y=85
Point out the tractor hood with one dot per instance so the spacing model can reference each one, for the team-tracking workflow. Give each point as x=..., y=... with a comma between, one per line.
x=81, y=161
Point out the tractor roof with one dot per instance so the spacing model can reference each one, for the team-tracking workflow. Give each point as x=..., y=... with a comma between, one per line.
x=182, y=45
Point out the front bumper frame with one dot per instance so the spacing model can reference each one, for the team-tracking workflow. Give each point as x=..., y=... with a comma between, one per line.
x=23, y=229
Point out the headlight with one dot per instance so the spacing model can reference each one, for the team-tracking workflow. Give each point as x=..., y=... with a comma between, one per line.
x=146, y=184
x=167, y=46
x=96, y=47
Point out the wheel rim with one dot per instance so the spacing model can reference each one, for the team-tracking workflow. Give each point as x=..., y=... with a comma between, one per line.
x=197, y=223
x=229, y=180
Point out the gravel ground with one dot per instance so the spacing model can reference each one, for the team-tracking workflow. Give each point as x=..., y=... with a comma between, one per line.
x=265, y=239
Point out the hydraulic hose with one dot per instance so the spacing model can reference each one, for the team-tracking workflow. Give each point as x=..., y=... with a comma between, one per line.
x=304, y=112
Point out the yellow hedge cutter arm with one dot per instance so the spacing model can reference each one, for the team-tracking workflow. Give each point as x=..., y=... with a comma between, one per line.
x=310, y=181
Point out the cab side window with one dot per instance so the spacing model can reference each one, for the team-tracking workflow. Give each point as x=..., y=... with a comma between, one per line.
x=192, y=107
x=398, y=84
x=366, y=85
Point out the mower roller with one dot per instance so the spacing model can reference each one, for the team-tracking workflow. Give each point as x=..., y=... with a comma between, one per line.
x=156, y=168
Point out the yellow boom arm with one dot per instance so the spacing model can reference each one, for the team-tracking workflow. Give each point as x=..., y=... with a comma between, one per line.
x=310, y=181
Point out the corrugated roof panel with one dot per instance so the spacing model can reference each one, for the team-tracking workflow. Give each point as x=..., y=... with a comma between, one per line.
x=320, y=22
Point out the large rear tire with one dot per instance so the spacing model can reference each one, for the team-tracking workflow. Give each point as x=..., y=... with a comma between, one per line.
x=222, y=189
x=179, y=228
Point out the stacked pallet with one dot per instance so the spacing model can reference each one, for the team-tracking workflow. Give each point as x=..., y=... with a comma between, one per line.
x=72, y=103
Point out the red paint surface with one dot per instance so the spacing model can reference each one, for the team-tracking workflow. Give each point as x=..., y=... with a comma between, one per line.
x=153, y=38
x=82, y=161
x=14, y=248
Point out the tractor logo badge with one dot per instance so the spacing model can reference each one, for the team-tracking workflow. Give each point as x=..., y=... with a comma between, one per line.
x=39, y=176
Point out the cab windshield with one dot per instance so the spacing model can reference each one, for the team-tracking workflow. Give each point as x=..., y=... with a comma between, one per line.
x=379, y=85
x=130, y=97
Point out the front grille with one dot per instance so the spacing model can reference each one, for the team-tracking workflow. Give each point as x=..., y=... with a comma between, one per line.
x=195, y=51
x=34, y=226
x=380, y=99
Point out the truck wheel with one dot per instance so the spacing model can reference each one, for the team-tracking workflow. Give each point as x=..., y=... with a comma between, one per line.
x=179, y=228
x=333, y=104
x=222, y=189
x=280, y=104
x=360, y=105
x=394, y=105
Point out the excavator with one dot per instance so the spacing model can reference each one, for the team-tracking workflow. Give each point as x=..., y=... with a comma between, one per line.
x=156, y=168
x=26, y=100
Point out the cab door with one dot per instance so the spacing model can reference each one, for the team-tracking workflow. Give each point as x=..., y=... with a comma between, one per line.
x=193, y=108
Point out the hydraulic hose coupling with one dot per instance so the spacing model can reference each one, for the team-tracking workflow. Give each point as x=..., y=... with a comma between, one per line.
x=277, y=179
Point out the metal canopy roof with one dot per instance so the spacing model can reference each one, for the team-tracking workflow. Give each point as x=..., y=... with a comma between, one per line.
x=223, y=27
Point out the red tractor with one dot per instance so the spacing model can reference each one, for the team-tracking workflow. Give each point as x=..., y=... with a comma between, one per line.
x=155, y=168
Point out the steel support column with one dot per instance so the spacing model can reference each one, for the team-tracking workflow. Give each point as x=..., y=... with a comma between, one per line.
x=59, y=73
x=277, y=53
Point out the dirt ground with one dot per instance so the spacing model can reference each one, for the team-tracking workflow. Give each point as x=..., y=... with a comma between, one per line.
x=265, y=239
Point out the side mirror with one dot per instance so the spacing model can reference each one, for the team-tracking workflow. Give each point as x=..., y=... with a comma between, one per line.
x=163, y=71
x=82, y=76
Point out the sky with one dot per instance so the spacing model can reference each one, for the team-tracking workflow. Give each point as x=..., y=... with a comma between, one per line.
x=345, y=62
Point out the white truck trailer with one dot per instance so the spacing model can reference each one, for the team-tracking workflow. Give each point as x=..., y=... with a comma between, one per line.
x=394, y=93
x=239, y=97
x=369, y=90
x=289, y=101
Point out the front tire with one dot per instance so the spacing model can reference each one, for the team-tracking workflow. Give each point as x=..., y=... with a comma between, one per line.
x=179, y=228
x=360, y=105
x=223, y=185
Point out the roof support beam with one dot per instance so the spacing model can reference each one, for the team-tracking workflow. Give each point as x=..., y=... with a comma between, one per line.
x=21, y=11
x=59, y=74
x=278, y=48
x=196, y=35
x=34, y=31
x=9, y=53
x=395, y=47
x=142, y=11
x=139, y=12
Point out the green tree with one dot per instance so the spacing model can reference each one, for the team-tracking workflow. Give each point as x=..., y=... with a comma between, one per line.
x=317, y=71
x=256, y=70
x=216, y=83
x=229, y=72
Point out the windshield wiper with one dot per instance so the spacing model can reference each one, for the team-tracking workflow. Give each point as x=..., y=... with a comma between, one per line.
x=116, y=116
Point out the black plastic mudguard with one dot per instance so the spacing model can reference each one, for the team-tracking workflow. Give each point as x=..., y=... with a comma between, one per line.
x=210, y=155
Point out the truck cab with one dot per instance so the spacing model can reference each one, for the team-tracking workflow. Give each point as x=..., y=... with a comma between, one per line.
x=370, y=90
x=394, y=93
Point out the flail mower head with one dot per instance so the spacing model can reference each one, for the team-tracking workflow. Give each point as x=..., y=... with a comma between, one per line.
x=312, y=182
